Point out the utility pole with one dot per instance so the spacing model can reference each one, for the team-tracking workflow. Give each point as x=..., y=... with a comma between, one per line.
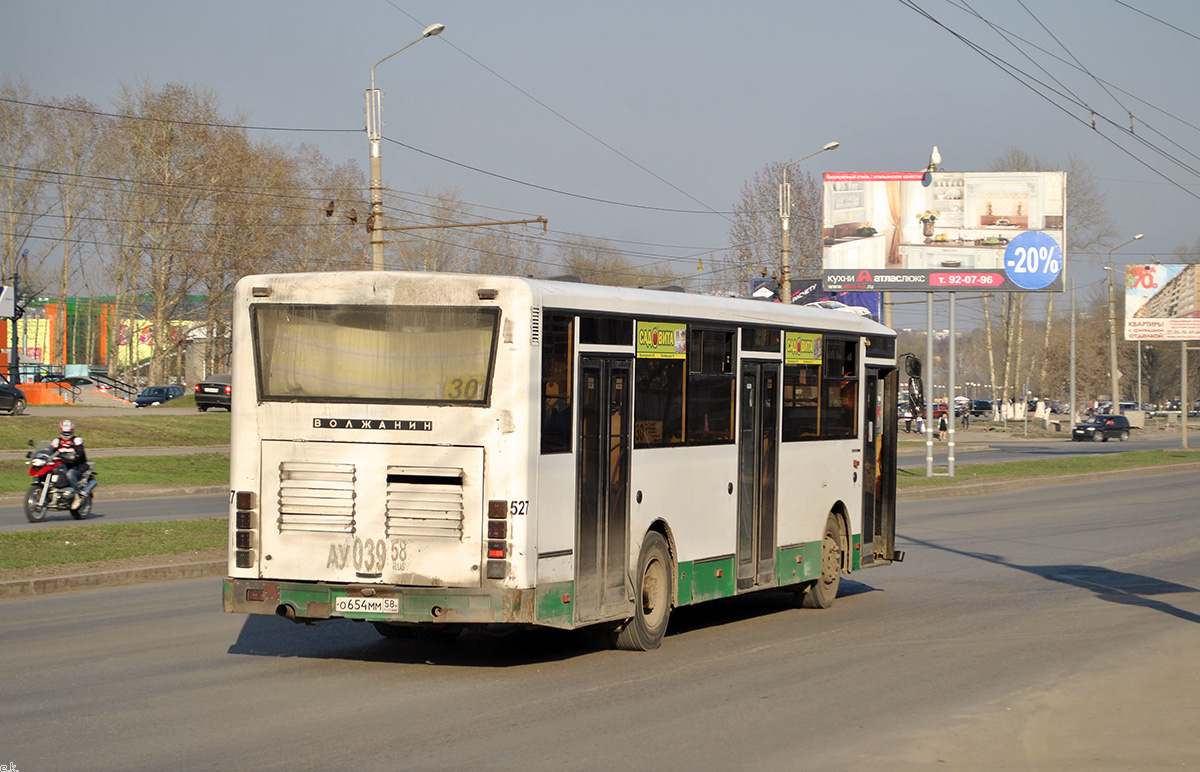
x=14, y=362
x=374, y=135
x=785, y=215
x=1112, y=326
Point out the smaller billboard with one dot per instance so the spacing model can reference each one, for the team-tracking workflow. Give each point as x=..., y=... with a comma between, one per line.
x=1162, y=302
x=661, y=340
x=944, y=231
x=802, y=348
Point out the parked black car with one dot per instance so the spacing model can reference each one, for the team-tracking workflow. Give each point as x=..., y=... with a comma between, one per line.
x=157, y=395
x=215, y=391
x=981, y=408
x=12, y=399
x=1100, y=428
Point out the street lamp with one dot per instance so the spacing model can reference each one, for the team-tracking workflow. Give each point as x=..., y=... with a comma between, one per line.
x=1112, y=324
x=375, y=134
x=785, y=212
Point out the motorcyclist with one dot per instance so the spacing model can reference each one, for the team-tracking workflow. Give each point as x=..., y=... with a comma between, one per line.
x=69, y=447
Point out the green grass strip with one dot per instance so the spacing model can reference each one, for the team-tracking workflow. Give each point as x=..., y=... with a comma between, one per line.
x=1021, y=470
x=143, y=427
x=88, y=543
x=163, y=471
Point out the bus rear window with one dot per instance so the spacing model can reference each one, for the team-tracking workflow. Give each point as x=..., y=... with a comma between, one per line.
x=409, y=354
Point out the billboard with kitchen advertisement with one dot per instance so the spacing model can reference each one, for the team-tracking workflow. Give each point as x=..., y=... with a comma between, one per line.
x=1162, y=302
x=944, y=231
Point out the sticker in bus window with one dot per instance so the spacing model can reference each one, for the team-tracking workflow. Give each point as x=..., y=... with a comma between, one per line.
x=661, y=340
x=462, y=388
x=802, y=348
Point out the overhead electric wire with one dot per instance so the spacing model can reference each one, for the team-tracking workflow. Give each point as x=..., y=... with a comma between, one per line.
x=1074, y=58
x=443, y=39
x=1061, y=60
x=1010, y=70
x=556, y=191
x=1155, y=18
x=176, y=121
x=444, y=159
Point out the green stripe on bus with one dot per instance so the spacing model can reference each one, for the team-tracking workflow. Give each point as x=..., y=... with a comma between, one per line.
x=799, y=564
x=856, y=552
x=684, y=583
x=706, y=580
x=556, y=603
x=299, y=597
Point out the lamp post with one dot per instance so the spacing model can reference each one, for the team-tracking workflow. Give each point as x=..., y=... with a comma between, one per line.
x=375, y=134
x=1112, y=325
x=785, y=212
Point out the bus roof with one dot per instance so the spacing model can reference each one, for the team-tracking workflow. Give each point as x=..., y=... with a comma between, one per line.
x=550, y=293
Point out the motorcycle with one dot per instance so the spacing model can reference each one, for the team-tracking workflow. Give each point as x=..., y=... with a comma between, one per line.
x=51, y=488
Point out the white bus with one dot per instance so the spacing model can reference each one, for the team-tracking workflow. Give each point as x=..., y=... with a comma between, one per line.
x=431, y=451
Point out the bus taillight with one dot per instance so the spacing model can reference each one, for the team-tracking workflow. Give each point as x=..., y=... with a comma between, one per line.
x=497, y=546
x=246, y=520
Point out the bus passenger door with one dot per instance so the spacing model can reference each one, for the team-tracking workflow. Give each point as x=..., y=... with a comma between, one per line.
x=758, y=459
x=602, y=517
x=879, y=465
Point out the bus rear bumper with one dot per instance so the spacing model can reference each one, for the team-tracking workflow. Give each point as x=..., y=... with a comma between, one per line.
x=314, y=601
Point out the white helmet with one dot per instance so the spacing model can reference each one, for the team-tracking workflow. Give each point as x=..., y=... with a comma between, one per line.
x=66, y=428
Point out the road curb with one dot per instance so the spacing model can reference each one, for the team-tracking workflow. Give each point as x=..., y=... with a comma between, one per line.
x=27, y=588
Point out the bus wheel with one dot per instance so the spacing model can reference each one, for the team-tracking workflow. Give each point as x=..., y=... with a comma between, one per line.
x=825, y=589
x=652, y=608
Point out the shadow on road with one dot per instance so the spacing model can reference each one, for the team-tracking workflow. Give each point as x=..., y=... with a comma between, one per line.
x=1112, y=586
x=497, y=646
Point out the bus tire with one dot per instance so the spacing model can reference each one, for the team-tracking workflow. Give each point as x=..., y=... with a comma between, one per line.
x=652, y=602
x=823, y=591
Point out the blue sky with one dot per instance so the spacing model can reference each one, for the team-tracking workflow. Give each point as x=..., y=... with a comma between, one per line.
x=667, y=105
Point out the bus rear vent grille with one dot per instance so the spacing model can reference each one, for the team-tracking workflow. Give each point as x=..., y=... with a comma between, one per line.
x=535, y=326
x=424, y=502
x=316, y=497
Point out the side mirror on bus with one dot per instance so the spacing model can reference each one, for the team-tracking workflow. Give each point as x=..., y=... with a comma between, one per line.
x=912, y=366
x=916, y=392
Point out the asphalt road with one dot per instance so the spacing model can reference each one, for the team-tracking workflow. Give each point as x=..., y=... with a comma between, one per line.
x=1050, y=629
x=157, y=508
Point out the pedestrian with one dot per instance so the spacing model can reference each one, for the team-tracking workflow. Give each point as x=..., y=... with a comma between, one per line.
x=943, y=427
x=966, y=418
x=907, y=420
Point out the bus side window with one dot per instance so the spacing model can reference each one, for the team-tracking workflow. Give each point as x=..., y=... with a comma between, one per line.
x=839, y=390
x=710, y=387
x=801, y=402
x=658, y=403
x=557, y=339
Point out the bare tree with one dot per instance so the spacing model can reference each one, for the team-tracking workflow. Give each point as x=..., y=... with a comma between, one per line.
x=23, y=199
x=597, y=261
x=321, y=236
x=756, y=234
x=72, y=136
x=432, y=247
x=503, y=250
x=1088, y=226
x=166, y=152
